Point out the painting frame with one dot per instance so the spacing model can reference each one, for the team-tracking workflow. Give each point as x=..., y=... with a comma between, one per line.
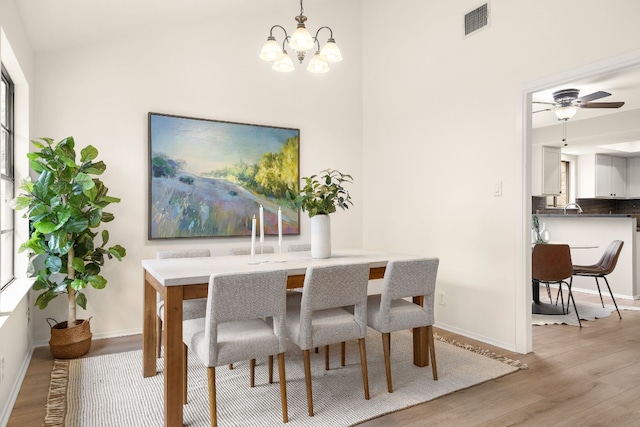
x=207, y=178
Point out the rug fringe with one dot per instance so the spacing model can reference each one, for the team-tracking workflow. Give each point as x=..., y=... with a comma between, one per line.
x=484, y=352
x=57, y=397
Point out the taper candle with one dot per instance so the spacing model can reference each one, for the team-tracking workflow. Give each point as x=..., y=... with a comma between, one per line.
x=261, y=224
x=279, y=226
x=253, y=236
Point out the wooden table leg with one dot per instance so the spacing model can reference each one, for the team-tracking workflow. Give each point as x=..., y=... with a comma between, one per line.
x=173, y=355
x=149, y=331
x=420, y=356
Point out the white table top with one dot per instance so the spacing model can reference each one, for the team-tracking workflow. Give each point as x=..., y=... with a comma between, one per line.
x=188, y=271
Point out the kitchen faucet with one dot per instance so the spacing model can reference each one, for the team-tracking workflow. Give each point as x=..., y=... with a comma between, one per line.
x=572, y=204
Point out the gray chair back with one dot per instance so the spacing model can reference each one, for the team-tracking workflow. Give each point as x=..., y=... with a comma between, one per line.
x=184, y=253
x=245, y=296
x=410, y=278
x=299, y=247
x=333, y=287
x=247, y=250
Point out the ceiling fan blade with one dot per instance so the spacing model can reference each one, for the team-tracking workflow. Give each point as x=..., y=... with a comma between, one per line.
x=602, y=105
x=593, y=96
x=546, y=109
x=543, y=102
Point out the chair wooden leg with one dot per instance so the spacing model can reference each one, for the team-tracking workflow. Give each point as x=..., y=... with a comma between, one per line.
x=271, y=369
x=307, y=378
x=283, y=386
x=211, y=376
x=159, y=337
x=184, y=383
x=252, y=372
x=432, y=351
x=386, y=349
x=363, y=362
x=420, y=358
x=342, y=353
x=326, y=357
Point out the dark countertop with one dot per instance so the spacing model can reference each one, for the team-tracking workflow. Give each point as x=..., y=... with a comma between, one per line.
x=572, y=215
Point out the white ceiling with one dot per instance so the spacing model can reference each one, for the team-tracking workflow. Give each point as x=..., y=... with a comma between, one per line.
x=57, y=24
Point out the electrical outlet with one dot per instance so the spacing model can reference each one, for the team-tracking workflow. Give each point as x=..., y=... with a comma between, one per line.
x=442, y=300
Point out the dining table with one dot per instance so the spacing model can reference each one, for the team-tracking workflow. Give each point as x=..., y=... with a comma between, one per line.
x=179, y=279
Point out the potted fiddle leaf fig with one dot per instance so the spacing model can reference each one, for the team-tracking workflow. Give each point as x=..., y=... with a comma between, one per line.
x=320, y=196
x=66, y=206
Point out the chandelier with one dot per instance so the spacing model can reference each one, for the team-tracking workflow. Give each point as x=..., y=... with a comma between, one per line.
x=300, y=42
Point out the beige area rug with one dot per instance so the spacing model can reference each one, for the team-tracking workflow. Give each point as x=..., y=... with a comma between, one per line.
x=109, y=390
x=588, y=312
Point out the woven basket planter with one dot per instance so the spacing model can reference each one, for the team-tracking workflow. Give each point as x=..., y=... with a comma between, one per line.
x=70, y=343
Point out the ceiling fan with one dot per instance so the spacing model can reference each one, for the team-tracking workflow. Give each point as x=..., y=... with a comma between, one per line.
x=567, y=102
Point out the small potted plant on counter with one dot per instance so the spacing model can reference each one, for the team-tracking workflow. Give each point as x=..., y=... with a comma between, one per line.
x=65, y=207
x=321, y=196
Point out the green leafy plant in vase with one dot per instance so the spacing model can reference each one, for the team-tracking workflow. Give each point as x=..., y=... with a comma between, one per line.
x=65, y=208
x=320, y=196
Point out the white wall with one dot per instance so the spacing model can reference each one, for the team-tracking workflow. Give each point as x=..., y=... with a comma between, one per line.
x=101, y=94
x=17, y=57
x=443, y=124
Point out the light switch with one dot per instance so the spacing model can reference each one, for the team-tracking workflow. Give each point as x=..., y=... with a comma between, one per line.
x=497, y=188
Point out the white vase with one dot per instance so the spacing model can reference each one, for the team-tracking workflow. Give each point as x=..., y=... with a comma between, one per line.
x=320, y=236
x=544, y=234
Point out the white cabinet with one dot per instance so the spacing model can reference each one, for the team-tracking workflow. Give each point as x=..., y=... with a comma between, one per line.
x=633, y=177
x=545, y=163
x=601, y=175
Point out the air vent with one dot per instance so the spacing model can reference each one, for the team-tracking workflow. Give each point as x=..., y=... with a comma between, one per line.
x=476, y=19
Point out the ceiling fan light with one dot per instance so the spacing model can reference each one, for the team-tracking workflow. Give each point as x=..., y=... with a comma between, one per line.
x=330, y=52
x=271, y=50
x=565, y=112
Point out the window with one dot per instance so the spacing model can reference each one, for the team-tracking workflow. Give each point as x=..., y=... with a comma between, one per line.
x=561, y=200
x=6, y=181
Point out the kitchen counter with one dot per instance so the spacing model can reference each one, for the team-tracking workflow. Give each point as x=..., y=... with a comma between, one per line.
x=542, y=216
x=600, y=231
x=573, y=215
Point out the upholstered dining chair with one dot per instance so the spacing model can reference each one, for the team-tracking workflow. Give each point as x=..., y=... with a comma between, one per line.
x=191, y=309
x=245, y=319
x=390, y=312
x=552, y=264
x=602, y=268
x=247, y=250
x=320, y=318
x=244, y=250
x=299, y=247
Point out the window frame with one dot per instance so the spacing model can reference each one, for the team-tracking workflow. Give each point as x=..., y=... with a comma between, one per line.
x=9, y=176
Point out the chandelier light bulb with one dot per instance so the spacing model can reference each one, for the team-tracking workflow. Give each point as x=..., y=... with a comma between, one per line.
x=301, y=40
x=330, y=52
x=284, y=64
x=317, y=65
x=271, y=50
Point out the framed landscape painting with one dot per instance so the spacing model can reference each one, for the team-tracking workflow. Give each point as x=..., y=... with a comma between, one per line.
x=208, y=178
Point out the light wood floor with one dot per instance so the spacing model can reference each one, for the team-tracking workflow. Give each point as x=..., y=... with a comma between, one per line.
x=585, y=377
